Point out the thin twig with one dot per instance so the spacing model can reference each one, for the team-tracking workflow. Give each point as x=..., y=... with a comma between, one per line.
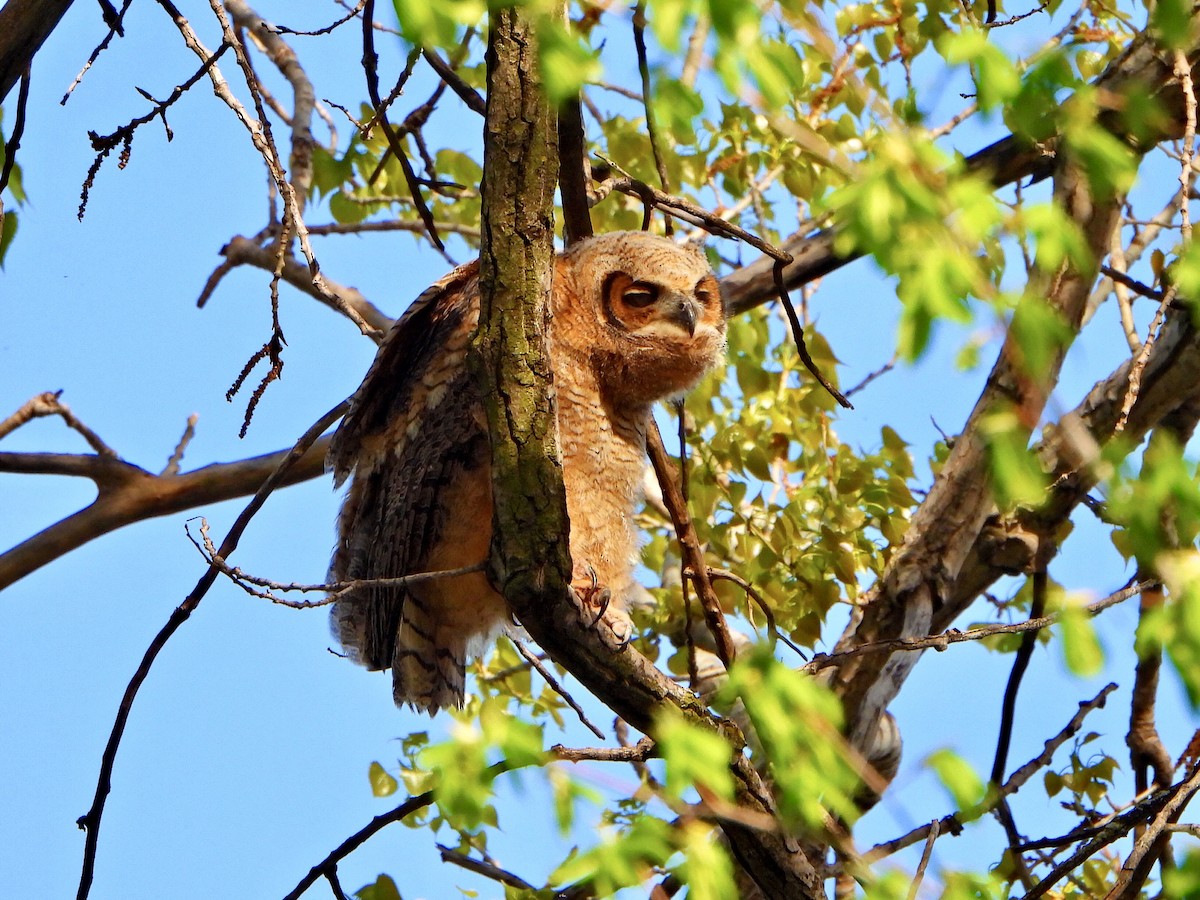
x=95, y=54
x=370, y=60
x=90, y=821
x=14, y=141
x=189, y=431
x=954, y=636
x=334, y=589
x=49, y=404
x=953, y=823
x=486, y=869
x=934, y=831
x=643, y=750
x=465, y=92
x=554, y=683
x=639, y=42
x=356, y=840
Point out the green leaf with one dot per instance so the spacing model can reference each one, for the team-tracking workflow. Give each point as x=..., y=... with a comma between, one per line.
x=384, y=888
x=1081, y=647
x=7, y=234
x=567, y=62
x=694, y=757
x=798, y=722
x=623, y=858
x=958, y=778
x=382, y=784
x=708, y=871
x=1171, y=21
x=1017, y=477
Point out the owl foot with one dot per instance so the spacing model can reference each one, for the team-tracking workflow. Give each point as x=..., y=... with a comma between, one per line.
x=599, y=612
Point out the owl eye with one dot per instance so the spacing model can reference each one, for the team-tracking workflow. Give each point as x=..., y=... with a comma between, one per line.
x=705, y=291
x=640, y=295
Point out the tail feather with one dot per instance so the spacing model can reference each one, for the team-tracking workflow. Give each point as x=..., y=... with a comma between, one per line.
x=428, y=664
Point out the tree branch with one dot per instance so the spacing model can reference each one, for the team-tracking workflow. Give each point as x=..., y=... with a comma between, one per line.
x=129, y=494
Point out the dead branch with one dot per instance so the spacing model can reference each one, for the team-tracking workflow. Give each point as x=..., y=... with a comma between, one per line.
x=244, y=251
x=356, y=840
x=284, y=58
x=555, y=685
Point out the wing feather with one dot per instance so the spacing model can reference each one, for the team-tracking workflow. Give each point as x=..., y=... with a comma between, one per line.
x=411, y=437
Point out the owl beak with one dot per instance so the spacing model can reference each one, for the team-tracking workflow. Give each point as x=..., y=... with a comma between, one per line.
x=683, y=313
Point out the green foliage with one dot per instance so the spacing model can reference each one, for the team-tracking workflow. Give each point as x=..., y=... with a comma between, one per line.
x=797, y=721
x=1175, y=625
x=965, y=787
x=624, y=857
x=382, y=784
x=1183, y=880
x=1017, y=478
x=695, y=758
x=7, y=234
x=923, y=220
x=1081, y=648
x=1157, y=508
x=1086, y=780
x=384, y=888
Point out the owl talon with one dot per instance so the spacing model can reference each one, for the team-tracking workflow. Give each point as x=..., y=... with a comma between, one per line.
x=595, y=604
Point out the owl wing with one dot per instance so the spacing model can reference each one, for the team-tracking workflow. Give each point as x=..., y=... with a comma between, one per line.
x=416, y=446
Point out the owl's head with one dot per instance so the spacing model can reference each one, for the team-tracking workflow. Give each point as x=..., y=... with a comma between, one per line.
x=644, y=310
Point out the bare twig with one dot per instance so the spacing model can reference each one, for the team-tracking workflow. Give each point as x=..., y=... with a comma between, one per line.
x=554, y=683
x=1008, y=706
x=484, y=868
x=304, y=102
x=356, y=840
x=283, y=29
x=90, y=821
x=370, y=60
x=123, y=136
x=189, y=431
x=245, y=251
x=643, y=750
x=465, y=92
x=953, y=823
x=335, y=589
x=639, y=42
x=14, y=140
x=95, y=54
x=954, y=636
x=49, y=404
x=934, y=831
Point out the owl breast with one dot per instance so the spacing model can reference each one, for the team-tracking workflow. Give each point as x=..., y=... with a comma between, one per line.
x=634, y=319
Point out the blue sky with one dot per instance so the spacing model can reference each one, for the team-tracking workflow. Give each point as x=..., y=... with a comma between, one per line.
x=246, y=756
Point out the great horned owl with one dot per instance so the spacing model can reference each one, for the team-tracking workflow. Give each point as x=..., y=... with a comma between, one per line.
x=634, y=318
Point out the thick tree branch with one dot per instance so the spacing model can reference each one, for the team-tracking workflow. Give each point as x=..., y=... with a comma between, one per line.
x=24, y=27
x=530, y=559
x=129, y=494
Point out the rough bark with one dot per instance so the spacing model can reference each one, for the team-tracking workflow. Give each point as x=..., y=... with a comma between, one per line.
x=24, y=27
x=530, y=561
